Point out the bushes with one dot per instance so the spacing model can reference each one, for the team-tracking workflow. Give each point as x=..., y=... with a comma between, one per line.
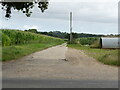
x=96, y=44
x=17, y=37
x=87, y=41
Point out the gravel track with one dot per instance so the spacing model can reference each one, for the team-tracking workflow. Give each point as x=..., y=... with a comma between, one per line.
x=59, y=63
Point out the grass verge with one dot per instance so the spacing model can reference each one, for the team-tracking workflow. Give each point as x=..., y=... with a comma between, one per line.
x=17, y=51
x=106, y=56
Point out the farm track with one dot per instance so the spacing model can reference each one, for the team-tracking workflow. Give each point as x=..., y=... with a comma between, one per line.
x=59, y=65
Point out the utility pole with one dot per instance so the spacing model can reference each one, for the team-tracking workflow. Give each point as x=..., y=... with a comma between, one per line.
x=70, y=27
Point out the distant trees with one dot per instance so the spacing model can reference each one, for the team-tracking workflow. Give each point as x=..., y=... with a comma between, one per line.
x=32, y=30
x=66, y=35
x=58, y=34
x=74, y=36
x=112, y=35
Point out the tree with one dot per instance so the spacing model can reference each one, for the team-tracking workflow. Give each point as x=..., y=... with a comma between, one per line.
x=32, y=30
x=25, y=7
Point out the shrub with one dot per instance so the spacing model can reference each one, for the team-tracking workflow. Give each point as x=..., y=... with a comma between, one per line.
x=87, y=41
x=96, y=44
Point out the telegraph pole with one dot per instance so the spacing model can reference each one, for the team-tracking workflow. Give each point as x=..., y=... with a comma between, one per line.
x=70, y=27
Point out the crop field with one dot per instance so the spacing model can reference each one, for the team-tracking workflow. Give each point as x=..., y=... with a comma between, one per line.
x=17, y=37
x=16, y=43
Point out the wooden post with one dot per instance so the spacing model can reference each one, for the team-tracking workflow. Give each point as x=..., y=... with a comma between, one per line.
x=70, y=27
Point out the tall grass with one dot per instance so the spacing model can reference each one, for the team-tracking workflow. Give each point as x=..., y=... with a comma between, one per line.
x=18, y=43
x=17, y=37
x=106, y=56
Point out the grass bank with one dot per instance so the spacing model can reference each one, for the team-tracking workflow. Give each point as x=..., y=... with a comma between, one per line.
x=18, y=51
x=17, y=43
x=106, y=56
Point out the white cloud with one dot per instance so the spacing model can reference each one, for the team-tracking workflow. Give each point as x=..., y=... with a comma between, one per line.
x=94, y=16
x=30, y=27
x=103, y=12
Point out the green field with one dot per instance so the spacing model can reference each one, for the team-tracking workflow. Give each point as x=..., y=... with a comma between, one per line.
x=106, y=56
x=16, y=43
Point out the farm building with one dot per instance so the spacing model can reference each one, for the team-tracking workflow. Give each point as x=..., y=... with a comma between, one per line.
x=110, y=42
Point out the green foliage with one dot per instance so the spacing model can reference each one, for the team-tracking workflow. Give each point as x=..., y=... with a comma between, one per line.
x=87, y=41
x=18, y=37
x=83, y=37
x=65, y=35
x=55, y=34
x=0, y=38
x=18, y=43
x=5, y=40
x=32, y=30
x=25, y=7
x=96, y=44
x=17, y=51
x=106, y=56
x=80, y=35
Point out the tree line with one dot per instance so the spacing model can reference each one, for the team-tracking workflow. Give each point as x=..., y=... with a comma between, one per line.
x=63, y=35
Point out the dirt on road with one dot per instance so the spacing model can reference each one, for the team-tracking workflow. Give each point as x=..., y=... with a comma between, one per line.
x=59, y=62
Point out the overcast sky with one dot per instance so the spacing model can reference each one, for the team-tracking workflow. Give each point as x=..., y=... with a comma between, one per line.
x=89, y=16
